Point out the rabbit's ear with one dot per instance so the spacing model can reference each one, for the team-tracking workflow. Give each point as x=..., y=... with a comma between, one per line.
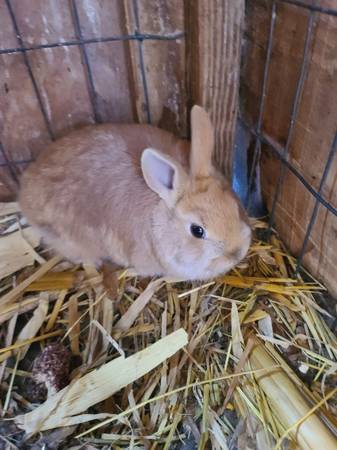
x=163, y=175
x=202, y=142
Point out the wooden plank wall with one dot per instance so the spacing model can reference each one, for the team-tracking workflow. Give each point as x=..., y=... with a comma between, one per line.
x=201, y=65
x=62, y=79
x=314, y=128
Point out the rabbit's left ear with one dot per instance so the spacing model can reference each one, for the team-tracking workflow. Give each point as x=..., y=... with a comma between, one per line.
x=163, y=175
x=202, y=142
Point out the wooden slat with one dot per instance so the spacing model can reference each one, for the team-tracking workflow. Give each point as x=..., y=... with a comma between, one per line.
x=289, y=36
x=7, y=36
x=164, y=63
x=101, y=18
x=43, y=21
x=322, y=3
x=112, y=84
x=108, y=60
x=214, y=33
x=66, y=97
x=59, y=72
x=22, y=129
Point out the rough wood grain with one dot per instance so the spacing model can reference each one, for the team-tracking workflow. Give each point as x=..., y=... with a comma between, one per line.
x=63, y=87
x=322, y=3
x=7, y=36
x=22, y=129
x=59, y=73
x=109, y=60
x=314, y=128
x=43, y=21
x=112, y=84
x=214, y=47
x=164, y=63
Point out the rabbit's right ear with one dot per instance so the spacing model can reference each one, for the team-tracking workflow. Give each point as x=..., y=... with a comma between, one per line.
x=202, y=142
x=163, y=175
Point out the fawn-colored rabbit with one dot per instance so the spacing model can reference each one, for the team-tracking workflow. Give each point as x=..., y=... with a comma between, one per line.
x=139, y=197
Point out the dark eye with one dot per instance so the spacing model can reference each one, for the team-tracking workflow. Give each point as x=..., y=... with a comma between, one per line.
x=197, y=231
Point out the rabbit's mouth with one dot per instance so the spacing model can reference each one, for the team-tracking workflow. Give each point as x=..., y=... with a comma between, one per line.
x=222, y=264
x=219, y=266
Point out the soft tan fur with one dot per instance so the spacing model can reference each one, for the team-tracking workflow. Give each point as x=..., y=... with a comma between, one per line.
x=96, y=195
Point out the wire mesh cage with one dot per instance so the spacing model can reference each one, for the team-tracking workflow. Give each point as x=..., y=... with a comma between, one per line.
x=282, y=153
x=283, y=147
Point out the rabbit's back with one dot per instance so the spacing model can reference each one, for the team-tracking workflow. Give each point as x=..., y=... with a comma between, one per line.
x=86, y=192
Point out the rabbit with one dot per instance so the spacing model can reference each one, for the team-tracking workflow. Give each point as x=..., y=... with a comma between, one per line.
x=138, y=197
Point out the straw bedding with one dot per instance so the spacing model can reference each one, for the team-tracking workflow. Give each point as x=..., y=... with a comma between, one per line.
x=246, y=361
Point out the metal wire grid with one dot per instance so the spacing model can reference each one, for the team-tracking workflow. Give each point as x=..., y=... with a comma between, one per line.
x=282, y=154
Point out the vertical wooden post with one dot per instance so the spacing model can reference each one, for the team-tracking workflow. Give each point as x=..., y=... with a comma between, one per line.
x=214, y=31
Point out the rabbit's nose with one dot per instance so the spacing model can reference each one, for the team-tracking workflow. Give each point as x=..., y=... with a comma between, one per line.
x=239, y=253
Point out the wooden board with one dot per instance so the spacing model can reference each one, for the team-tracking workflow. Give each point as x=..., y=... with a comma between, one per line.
x=48, y=22
x=43, y=21
x=66, y=98
x=7, y=35
x=21, y=126
x=112, y=83
x=214, y=49
x=161, y=63
x=109, y=61
x=314, y=128
x=322, y=3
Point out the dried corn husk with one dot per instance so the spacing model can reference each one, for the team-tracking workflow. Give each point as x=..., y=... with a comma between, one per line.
x=99, y=385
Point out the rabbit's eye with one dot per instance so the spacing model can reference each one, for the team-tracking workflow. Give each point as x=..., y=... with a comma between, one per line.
x=197, y=231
